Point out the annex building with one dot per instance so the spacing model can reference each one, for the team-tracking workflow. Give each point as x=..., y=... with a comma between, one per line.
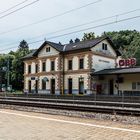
x=84, y=67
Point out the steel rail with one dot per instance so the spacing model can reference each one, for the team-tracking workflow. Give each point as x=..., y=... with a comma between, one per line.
x=70, y=100
x=76, y=107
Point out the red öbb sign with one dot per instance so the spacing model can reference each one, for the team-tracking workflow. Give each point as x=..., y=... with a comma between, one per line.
x=127, y=62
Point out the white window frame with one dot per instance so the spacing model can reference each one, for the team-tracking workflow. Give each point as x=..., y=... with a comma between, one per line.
x=48, y=49
x=137, y=86
x=104, y=46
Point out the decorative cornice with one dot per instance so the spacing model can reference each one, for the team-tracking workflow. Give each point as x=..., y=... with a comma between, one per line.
x=42, y=74
x=103, y=55
x=83, y=71
x=48, y=57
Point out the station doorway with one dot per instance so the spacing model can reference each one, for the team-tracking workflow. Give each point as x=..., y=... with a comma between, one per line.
x=81, y=85
x=52, y=86
x=29, y=86
x=111, y=87
x=70, y=86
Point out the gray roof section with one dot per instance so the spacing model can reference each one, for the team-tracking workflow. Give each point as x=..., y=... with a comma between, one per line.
x=70, y=47
x=30, y=55
x=131, y=70
x=83, y=44
x=57, y=46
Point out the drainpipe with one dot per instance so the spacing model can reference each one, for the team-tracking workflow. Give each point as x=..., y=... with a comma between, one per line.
x=63, y=72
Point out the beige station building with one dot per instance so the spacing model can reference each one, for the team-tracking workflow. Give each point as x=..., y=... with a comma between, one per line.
x=84, y=67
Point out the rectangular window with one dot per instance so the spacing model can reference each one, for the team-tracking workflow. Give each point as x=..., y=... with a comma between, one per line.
x=36, y=68
x=44, y=66
x=70, y=65
x=138, y=86
x=43, y=84
x=52, y=65
x=81, y=63
x=104, y=46
x=48, y=49
x=134, y=87
x=29, y=68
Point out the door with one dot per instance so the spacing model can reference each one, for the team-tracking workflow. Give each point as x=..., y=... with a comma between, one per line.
x=81, y=85
x=70, y=86
x=29, y=85
x=36, y=86
x=52, y=86
x=111, y=87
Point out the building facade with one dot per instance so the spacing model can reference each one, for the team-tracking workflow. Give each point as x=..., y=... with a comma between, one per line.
x=66, y=69
x=117, y=81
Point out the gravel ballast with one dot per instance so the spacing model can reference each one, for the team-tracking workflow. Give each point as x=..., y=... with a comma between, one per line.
x=90, y=115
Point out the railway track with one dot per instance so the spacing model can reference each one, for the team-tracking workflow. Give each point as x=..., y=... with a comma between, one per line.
x=111, y=98
x=70, y=101
x=77, y=105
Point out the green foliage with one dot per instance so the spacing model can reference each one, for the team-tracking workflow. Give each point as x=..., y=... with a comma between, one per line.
x=88, y=36
x=18, y=65
x=4, y=60
x=122, y=38
x=71, y=41
x=128, y=42
x=15, y=64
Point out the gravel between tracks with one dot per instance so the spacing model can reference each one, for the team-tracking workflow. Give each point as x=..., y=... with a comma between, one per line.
x=92, y=115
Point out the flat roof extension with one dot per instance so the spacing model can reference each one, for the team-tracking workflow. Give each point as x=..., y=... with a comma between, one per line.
x=114, y=71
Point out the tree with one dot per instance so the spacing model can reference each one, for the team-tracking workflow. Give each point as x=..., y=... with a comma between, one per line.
x=128, y=42
x=71, y=41
x=131, y=50
x=122, y=38
x=23, y=45
x=136, y=43
x=77, y=40
x=88, y=36
x=18, y=65
x=5, y=67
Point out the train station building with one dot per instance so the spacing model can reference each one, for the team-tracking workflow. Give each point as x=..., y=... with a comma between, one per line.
x=81, y=67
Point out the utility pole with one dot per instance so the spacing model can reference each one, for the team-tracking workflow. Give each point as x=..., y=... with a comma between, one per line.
x=8, y=78
x=0, y=80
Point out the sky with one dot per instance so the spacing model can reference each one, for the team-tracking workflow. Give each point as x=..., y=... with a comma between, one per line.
x=43, y=9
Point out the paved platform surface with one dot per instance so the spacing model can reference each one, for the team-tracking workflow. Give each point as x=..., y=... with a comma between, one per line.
x=18, y=125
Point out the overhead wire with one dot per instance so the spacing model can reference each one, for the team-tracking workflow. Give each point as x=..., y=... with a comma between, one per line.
x=87, y=23
x=77, y=26
x=13, y=7
x=18, y=9
x=50, y=18
x=97, y=26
